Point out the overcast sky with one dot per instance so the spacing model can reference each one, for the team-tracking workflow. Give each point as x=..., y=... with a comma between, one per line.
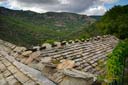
x=88, y=7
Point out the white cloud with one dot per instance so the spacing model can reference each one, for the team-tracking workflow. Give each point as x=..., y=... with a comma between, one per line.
x=109, y=1
x=64, y=1
x=2, y=0
x=89, y=7
x=100, y=10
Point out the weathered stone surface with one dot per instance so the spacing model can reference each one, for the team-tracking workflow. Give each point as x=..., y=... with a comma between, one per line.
x=38, y=66
x=6, y=73
x=2, y=67
x=29, y=60
x=36, y=47
x=74, y=81
x=85, y=56
x=12, y=81
x=64, y=43
x=58, y=44
x=34, y=74
x=2, y=80
x=15, y=54
x=10, y=45
x=23, y=60
x=1, y=76
x=20, y=73
x=79, y=74
x=11, y=59
x=33, y=56
x=19, y=49
x=66, y=64
x=46, y=60
x=71, y=41
x=21, y=77
x=6, y=62
x=29, y=82
x=47, y=45
x=5, y=48
x=26, y=53
x=12, y=69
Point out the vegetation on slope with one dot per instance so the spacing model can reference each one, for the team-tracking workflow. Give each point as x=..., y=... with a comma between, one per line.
x=115, y=22
x=116, y=64
x=29, y=28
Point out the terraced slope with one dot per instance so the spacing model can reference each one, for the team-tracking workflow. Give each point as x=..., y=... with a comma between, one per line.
x=89, y=59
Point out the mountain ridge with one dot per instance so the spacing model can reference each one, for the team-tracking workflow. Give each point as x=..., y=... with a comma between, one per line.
x=37, y=28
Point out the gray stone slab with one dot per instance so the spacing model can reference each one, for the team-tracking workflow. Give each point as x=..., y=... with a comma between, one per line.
x=21, y=77
x=31, y=72
x=34, y=74
x=6, y=73
x=12, y=81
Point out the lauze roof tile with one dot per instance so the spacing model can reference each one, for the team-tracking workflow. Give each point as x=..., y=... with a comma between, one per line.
x=89, y=58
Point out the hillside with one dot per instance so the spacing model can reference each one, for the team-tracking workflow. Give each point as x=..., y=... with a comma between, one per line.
x=115, y=21
x=30, y=28
x=97, y=17
x=106, y=56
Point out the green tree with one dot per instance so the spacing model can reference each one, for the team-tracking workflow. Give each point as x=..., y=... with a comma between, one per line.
x=116, y=64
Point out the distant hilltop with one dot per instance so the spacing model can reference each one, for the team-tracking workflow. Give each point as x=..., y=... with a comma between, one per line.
x=30, y=28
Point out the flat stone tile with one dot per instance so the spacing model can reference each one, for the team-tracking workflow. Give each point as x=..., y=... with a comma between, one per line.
x=2, y=67
x=6, y=62
x=13, y=69
x=12, y=81
x=6, y=73
x=1, y=76
x=3, y=82
x=10, y=77
x=21, y=77
x=30, y=82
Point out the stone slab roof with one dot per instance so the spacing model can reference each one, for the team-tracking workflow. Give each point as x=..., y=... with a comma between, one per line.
x=13, y=72
x=89, y=57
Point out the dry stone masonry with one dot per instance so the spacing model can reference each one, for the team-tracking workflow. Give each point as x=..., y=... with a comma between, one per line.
x=64, y=63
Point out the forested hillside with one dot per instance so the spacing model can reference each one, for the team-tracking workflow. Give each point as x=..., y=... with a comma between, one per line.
x=30, y=28
x=115, y=21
